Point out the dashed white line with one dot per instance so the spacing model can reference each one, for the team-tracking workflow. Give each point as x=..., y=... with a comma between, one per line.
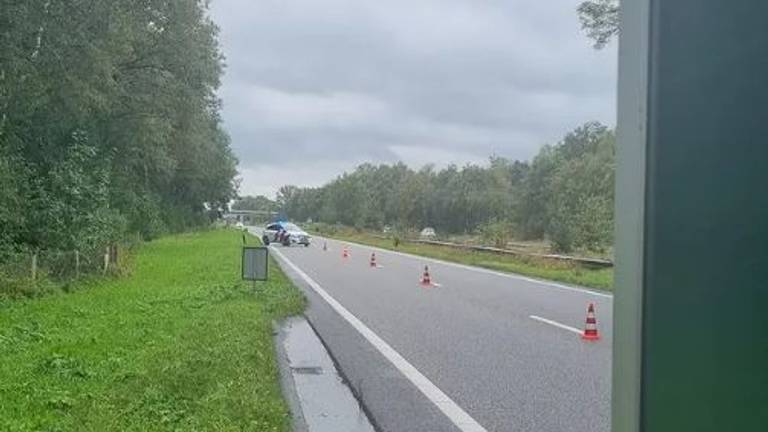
x=463, y=421
x=556, y=324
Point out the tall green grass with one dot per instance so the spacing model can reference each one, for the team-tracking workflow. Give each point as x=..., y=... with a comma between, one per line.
x=180, y=344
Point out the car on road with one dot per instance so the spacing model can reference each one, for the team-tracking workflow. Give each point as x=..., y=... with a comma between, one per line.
x=428, y=233
x=285, y=233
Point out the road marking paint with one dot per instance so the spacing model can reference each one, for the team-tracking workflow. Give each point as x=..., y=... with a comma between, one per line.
x=556, y=324
x=453, y=411
x=491, y=272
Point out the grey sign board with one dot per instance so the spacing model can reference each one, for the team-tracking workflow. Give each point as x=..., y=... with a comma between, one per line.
x=255, y=263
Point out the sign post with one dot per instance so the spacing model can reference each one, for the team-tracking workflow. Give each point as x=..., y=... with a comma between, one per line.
x=690, y=339
x=255, y=263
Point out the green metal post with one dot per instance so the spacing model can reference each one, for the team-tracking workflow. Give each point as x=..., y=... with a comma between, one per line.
x=691, y=301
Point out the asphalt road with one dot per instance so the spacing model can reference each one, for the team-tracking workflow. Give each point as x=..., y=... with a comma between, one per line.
x=472, y=337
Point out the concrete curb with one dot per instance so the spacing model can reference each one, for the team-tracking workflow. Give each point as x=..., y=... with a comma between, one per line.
x=319, y=398
x=287, y=384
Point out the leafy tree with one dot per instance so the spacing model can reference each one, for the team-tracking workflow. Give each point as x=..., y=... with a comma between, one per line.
x=12, y=206
x=70, y=206
x=579, y=190
x=532, y=216
x=600, y=19
x=496, y=232
x=258, y=202
x=109, y=121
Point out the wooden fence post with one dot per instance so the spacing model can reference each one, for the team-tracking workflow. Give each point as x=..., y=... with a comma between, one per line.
x=113, y=254
x=34, y=266
x=106, y=260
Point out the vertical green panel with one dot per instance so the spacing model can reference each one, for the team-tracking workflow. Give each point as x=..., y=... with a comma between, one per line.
x=705, y=296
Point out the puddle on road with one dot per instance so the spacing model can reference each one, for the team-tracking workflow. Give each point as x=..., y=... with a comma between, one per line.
x=326, y=402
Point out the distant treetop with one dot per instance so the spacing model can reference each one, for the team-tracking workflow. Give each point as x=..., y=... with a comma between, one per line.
x=259, y=202
x=600, y=19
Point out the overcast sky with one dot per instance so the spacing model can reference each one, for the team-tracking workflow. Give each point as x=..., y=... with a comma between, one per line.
x=315, y=87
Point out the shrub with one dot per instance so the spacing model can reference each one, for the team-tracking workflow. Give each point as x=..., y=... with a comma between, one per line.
x=496, y=232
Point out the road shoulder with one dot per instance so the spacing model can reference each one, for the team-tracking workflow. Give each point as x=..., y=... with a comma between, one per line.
x=319, y=399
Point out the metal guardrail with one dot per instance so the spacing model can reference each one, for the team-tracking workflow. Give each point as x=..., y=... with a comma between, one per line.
x=587, y=262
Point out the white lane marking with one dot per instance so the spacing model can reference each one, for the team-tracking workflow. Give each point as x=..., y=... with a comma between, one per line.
x=454, y=412
x=488, y=271
x=556, y=324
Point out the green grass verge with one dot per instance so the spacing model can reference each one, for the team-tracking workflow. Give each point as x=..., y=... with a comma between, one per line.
x=180, y=344
x=535, y=267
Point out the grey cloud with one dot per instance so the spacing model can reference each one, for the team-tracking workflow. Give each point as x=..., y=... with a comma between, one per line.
x=341, y=81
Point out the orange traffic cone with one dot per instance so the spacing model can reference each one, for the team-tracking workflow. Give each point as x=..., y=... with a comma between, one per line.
x=590, y=330
x=345, y=252
x=373, y=259
x=426, y=280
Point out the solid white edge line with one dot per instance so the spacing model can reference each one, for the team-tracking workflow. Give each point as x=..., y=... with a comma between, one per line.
x=479, y=269
x=454, y=412
x=556, y=324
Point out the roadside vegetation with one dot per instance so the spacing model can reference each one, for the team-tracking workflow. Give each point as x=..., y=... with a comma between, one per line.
x=570, y=273
x=564, y=196
x=179, y=344
x=109, y=127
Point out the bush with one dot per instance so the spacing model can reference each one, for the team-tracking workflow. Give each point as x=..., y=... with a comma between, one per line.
x=496, y=232
x=57, y=270
x=16, y=278
x=323, y=229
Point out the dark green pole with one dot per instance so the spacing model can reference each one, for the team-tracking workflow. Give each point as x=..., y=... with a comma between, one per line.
x=691, y=302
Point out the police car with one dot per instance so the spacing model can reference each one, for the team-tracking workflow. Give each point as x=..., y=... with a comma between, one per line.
x=286, y=234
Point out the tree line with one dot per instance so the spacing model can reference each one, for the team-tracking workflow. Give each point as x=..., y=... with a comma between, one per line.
x=565, y=195
x=109, y=121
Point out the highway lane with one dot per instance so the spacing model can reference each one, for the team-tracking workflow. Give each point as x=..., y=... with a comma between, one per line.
x=473, y=338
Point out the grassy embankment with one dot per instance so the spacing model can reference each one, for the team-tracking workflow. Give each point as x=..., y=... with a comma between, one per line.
x=535, y=267
x=180, y=344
